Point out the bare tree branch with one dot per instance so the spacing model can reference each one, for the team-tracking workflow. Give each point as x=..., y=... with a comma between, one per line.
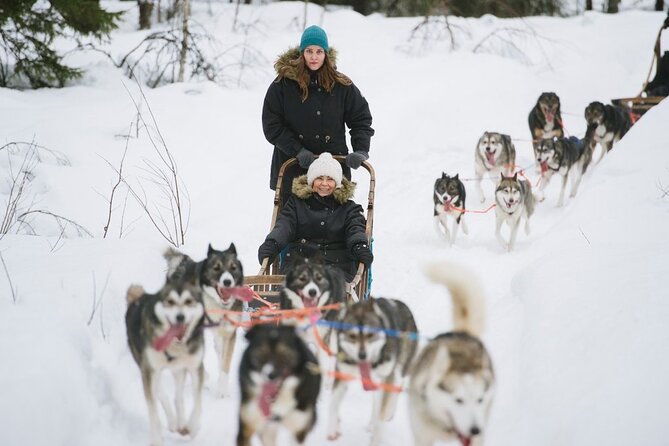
x=14, y=291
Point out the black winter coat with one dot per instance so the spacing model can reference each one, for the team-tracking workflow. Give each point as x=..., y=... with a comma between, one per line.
x=317, y=124
x=331, y=225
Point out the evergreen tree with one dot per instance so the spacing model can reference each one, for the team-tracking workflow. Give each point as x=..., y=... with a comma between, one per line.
x=29, y=27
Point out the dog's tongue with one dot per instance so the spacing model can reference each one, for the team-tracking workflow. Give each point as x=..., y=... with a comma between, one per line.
x=366, y=375
x=544, y=166
x=465, y=441
x=161, y=343
x=238, y=292
x=269, y=391
x=447, y=205
x=491, y=158
x=310, y=302
x=549, y=117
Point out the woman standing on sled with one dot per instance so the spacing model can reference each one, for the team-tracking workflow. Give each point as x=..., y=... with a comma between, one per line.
x=320, y=217
x=307, y=107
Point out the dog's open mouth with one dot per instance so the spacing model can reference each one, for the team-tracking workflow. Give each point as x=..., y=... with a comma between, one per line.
x=238, y=292
x=491, y=157
x=509, y=203
x=176, y=331
x=267, y=396
x=366, y=376
x=309, y=302
x=549, y=116
x=464, y=441
x=544, y=167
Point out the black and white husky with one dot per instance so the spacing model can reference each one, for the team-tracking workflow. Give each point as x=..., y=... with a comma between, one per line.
x=495, y=154
x=545, y=120
x=220, y=276
x=562, y=156
x=371, y=349
x=165, y=332
x=449, y=200
x=310, y=283
x=514, y=201
x=607, y=124
x=280, y=381
x=453, y=383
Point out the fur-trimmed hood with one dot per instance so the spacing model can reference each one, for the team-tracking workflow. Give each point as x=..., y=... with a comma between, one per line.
x=283, y=65
x=303, y=190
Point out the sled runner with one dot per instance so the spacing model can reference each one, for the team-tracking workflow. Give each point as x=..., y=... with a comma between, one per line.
x=654, y=91
x=269, y=279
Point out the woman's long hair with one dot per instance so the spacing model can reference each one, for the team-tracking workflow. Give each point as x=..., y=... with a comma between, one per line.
x=327, y=75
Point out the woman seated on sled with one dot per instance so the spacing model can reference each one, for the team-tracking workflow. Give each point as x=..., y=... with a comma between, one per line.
x=320, y=217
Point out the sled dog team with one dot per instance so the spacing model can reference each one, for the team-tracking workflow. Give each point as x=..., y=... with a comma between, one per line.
x=373, y=343
x=554, y=154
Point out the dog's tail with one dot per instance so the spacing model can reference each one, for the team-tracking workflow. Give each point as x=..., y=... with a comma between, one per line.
x=467, y=296
x=134, y=293
x=174, y=261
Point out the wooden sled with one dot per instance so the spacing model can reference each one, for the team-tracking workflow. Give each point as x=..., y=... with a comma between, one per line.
x=269, y=280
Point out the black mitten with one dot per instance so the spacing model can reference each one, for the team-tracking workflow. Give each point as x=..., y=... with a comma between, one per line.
x=269, y=249
x=355, y=159
x=305, y=158
x=362, y=253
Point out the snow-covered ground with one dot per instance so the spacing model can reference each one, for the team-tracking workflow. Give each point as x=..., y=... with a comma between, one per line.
x=576, y=314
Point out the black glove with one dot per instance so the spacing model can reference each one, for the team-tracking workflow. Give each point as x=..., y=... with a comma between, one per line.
x=305, y=158
x=362, y=253
x=355, y=159
x=269, y=249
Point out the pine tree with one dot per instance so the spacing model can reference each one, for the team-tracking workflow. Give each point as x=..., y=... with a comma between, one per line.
x=29, y=27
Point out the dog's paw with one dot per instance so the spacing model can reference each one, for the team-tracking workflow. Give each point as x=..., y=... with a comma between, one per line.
x=333, y=437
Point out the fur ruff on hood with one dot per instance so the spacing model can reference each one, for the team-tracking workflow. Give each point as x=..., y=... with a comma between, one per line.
x=341, y=194
x=283, y=65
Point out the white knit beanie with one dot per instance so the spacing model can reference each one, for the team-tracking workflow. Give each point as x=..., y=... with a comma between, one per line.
x=327, y=166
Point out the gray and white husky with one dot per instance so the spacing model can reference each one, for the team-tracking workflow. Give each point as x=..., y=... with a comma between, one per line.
x=607, y=124
x=453, y=383
x=449, y=201
x=514, y=200
x=220, y=276
x=562, y=156
x=495, y=153
x=165, y=333
x=369, y=349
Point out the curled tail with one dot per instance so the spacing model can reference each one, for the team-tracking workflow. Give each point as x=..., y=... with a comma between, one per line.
x=134, y=293
x=466, y=293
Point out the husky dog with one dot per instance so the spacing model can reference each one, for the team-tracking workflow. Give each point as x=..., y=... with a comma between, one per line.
x=369, y=348
x=607, y=124
x=280, y=382
x=219, y=275
x=514, y=201
x=310, y=283
x=563, y=156
x=495, y=153
x=449, y=199
x=165, y=332
x=452, y=383
x=545, y=119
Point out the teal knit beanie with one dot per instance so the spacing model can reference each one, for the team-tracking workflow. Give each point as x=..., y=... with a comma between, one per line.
x=314, y=35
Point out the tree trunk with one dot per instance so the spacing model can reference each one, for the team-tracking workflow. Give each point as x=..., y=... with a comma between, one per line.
x=588, y=5
x=185, y=9
x=659, y=5
x=613, y=6
x=145, y=10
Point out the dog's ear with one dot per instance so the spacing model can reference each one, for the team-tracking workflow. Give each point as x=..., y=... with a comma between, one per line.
x=515, y=176
x=502, y=175
x=209, y=250
x=456, y=176
x=232, y=249
x=443, y=175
